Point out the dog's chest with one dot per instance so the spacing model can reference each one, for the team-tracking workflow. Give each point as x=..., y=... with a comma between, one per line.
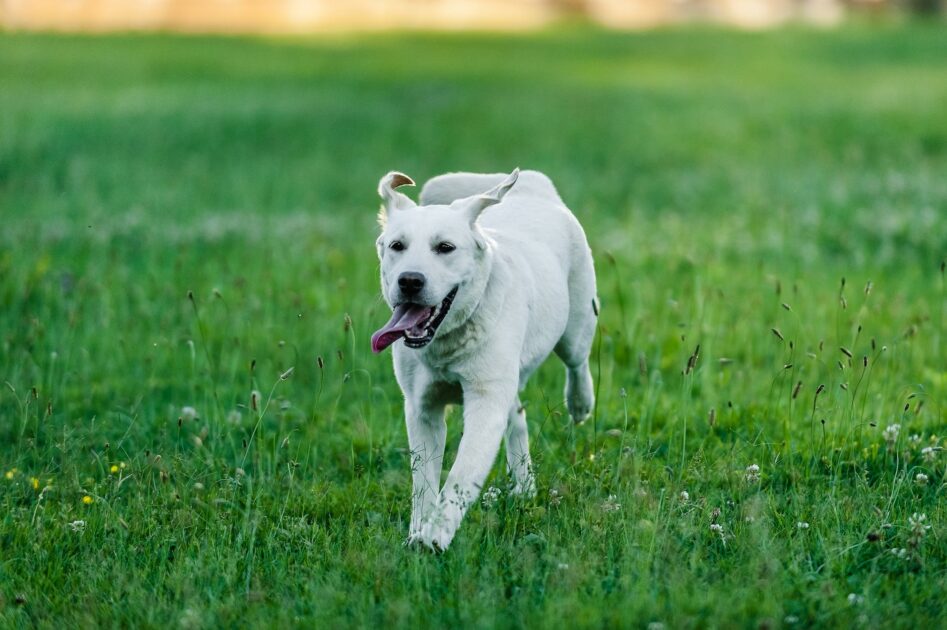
x=455, y=348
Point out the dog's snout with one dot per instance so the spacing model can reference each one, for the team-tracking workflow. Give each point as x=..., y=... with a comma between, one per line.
x=411, y=282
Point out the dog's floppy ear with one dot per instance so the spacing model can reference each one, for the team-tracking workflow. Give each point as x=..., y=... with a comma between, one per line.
x=393, y=200
x=473, y=206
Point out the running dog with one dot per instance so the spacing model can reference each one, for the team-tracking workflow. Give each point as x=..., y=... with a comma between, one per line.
x=486, y=277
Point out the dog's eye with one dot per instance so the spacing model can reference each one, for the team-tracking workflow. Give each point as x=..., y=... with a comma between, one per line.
x=444, y=248
x=397, y=246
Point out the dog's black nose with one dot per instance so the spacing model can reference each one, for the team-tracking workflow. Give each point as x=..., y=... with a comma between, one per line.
x=411, y=282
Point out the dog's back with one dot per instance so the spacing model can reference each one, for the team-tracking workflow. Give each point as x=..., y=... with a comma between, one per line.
x=444, y=189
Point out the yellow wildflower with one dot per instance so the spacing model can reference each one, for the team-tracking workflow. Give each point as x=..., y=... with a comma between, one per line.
x=9, y=474
x=87, y=499
x=35, y=483
x=113, y=469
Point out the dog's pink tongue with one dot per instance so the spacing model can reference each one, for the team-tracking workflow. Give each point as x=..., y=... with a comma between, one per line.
x=405, y=317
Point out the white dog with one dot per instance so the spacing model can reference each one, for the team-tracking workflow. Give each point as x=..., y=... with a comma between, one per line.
x=486, y=277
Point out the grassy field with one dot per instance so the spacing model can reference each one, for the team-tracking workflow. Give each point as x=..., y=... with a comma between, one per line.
x=194, y=432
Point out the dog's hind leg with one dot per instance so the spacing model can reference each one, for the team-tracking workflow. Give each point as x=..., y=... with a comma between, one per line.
x=518, y=463
x=575, y=345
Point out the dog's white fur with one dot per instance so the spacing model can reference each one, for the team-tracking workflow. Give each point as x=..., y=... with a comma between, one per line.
x=526, y=288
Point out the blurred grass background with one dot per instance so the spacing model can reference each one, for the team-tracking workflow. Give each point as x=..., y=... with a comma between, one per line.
x=728, y=183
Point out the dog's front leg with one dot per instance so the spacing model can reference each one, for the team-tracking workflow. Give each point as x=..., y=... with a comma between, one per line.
x=485, y=419
x=427, y=433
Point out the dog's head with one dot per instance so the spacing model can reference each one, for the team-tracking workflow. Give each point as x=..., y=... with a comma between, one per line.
x=433, y=260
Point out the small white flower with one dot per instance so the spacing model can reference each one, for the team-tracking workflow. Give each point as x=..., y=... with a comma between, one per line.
x=890, y=434
x=929, y=453
x=684, y=496
x=234, y=417
x=855, y=599
x=752, y=473
x=611, y=504
x=76, y=526
x=188, y=413
x=490, y=497
x=791, y=620
x=655, y=625
x=914, y=439
x=901, y=553
x=563, y=566
x=802, y=525
x=716, y=527
x=918, y=528
x=554, y=497
x=921, y=479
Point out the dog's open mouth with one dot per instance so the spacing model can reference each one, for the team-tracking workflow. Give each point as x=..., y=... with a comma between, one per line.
x=416, y=323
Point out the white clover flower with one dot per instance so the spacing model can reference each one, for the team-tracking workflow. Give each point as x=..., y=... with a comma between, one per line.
x=188, y=413
x=234, y=417
x=611, y=504
x=684, y=496
x=490, y=497
x=914, y=440
x=554, y=497
x=921, y=479
x=655, y=625
x=901, y=553
x=802, y=525
x=791, y=620
x=890, y=434
x=76, y=526
x=752, y=473
x=929, y=453
x=855, y=600
x=563, y=566
x=918, y=528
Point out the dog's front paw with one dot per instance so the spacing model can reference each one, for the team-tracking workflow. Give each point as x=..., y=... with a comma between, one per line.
x=524, y=488
x=434, y=536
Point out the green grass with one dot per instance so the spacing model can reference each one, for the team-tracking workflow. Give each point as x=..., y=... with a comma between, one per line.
x=727, y=182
